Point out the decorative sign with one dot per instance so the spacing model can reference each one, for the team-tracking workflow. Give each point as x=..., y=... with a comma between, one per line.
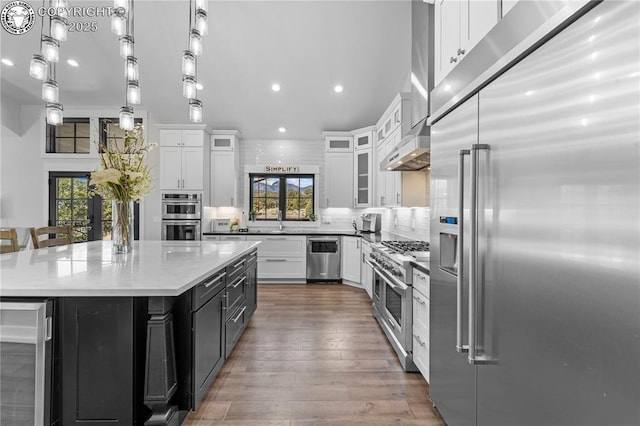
x=279, y=168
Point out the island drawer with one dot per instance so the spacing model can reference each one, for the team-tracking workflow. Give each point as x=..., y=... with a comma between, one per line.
x=251, y=259
x=235, y=326
x=235, y=293
x=204, y=291
x=235, y=269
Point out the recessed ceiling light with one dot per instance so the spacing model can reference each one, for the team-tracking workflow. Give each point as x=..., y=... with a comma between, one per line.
x=413, y=154
x=275, y=87
x=199, y=86
x=338, y=88
x=7, y=62
x=73, y=62
x=282, y=130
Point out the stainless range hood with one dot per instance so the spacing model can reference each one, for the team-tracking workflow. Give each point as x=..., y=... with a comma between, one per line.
x=412, y=153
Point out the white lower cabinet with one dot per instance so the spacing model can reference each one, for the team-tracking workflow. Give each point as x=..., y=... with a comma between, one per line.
x=366, y=273
x=281, y=257
x=233, y=238
x=421, y=322
x=351, y=259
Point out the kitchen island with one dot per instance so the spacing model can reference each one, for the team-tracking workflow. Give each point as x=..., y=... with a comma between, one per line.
x=135, y=338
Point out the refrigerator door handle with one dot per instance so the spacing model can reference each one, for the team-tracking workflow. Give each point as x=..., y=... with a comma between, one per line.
x=460, y=252
x=474, y=277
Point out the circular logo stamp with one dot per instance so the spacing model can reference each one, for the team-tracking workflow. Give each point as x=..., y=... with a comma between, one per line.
x=17, y=17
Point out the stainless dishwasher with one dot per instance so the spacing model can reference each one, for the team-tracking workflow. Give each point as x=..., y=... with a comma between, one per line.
x=323, y=258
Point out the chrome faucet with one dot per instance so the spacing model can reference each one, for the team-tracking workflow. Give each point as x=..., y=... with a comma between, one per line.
x=280, y=219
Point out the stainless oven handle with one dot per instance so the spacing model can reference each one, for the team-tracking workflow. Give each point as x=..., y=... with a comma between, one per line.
x=460, y=253
x=370, y=264
x=402, y=286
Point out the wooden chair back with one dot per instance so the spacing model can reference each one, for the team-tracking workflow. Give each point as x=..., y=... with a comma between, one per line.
x=11, y=236
x=62, y=235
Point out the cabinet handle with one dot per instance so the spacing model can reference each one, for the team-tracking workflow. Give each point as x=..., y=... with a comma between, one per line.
x=452, y=60
x=397, y=197
x=239, y=282
x=327, y=202
x=213, y=281
x=461, y=51
x=420, y=342
x=231, y=201
x=358, y=243
x=239, y=263
x=276, y=260
x=178, y=184
x=391, y=324
x=224, y=305
x=420, y=301
x=239, y=314
x=276, y=239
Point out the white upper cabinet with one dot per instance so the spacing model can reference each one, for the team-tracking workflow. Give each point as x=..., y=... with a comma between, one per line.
x=459, y=26
x=182, y=159
x=362, y=177
x=225, y=168
x=224, y=141
x=338, y=178
x=362, y=139
x=337, y=142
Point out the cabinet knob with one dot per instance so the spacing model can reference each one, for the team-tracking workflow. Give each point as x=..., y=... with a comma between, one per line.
x=461, y=51
x=452, y=60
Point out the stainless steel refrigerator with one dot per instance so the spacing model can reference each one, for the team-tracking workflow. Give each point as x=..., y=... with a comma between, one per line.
x=535, y=236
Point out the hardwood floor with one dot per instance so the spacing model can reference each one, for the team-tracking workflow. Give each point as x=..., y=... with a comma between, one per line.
x=314, y=355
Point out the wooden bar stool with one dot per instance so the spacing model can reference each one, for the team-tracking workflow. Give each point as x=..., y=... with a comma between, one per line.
x=62, y=235
x=11, y=236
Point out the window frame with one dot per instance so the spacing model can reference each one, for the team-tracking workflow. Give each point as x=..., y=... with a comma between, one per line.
x=50, y=137
x=282, y=195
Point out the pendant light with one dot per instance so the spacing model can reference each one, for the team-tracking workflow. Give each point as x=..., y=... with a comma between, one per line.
x=54, y=114
x=121, y=4
x=118, y=22
x=201, y=21
x=50, y=91
x=133, y=92
x=49, y=47
x=195, y=42
x=188, y=87
x=131, y=68
x=58, y=28
x=38, y=67
x=126, y=118
x=201, y=4
x=195, y=110
x=188, y=63
x=126, y=46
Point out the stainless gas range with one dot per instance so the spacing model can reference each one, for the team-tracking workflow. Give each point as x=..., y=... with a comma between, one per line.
x=393, y=292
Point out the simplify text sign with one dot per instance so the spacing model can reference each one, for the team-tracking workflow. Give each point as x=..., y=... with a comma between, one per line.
x=281, y=169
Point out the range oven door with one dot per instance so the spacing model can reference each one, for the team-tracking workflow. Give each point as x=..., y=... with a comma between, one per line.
x=376, y=291
x=397, y=309
x=181, y=230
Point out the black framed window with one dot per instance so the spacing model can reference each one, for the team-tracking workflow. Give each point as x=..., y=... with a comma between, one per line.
x=71, y=137
x=71, y=203
x=110, y=131
x=290, y=196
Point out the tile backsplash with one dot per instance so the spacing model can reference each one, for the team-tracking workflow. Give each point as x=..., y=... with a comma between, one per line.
x=410, y=222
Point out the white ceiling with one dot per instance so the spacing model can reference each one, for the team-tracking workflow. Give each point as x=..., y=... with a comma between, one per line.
x=306, y=46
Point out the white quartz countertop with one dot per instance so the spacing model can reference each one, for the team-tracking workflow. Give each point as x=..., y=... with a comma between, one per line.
x=155, y=268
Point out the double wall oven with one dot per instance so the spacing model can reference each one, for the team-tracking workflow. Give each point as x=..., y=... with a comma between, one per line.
x=181, y=216
x=393, y=294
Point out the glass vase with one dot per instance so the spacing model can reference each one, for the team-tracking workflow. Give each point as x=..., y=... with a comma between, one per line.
x=122, y=226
